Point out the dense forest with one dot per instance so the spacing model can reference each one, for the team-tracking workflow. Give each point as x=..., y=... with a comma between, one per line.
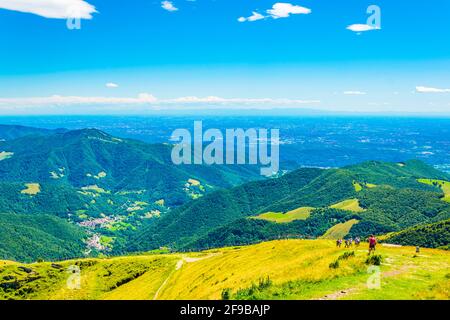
x=435, y=235
x=30, y=238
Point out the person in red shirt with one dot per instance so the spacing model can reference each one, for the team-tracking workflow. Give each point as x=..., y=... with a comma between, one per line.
x=372, y=243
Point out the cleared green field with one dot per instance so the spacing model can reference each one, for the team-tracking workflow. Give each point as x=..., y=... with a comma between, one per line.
x=444, y=185
x=94, y=188
x=291, y=269
x=358, y=187
x=349, y=205
x=31, y=189
x=340, y=230
x=5, y=155
x=301, y=213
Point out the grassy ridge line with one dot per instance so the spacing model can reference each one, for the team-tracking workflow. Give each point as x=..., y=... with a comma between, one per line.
x=297, y=269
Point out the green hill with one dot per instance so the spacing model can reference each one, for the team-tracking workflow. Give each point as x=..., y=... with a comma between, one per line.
x=107, y=185
x=32, y=237
x=91, y=157
x=199, y=217
x=432, y=235
x=389, y=197
x=10, y=132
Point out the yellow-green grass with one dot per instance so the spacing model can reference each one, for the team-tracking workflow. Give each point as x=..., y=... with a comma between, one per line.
x=100, y=175
x=5, y=155
x=349, y=205
x=4, y=263
x=340, y=230
x=31, y=189
x=444, y=185
x=193, y=182
x=94, y=188
x=358, y=187
x=301, y=213
x=298, y=269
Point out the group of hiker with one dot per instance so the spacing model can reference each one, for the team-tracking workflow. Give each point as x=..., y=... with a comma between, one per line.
x=350, y=241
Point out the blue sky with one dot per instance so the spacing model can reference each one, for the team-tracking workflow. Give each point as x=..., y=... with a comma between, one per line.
x=198, y=54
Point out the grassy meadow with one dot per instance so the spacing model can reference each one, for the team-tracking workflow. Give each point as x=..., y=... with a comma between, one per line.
x=283, y=269
x=340, y=230
x=301, y=213
x=349, y=205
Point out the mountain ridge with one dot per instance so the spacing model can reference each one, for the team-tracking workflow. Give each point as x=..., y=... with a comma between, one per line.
x=410, y=203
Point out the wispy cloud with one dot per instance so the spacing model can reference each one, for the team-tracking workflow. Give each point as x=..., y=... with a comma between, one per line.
x=279, y=10
x=361, y=28
x=111, y=85
x=146, y=99
x=421, y=89
x=254, y=17
x=355, y=93
x=219, y=100
x=60, y=9
x=169, y=6
x=70, y=100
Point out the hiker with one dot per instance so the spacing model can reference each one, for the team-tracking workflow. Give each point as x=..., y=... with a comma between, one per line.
x=338, y=243
x=351, y=241
x=357, y=241
x=372, y=244
x=347, y=243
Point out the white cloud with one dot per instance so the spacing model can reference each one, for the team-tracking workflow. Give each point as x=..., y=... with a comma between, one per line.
x=111, y=85
x=283, y=10
x=168, y=5
x=361, y=28
x=219, y=100
x=254, y=17
x=354, y=93
x=421, y=89
x=279, y=10
x=53, y=9
x=70, y=100
x=146, y=99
